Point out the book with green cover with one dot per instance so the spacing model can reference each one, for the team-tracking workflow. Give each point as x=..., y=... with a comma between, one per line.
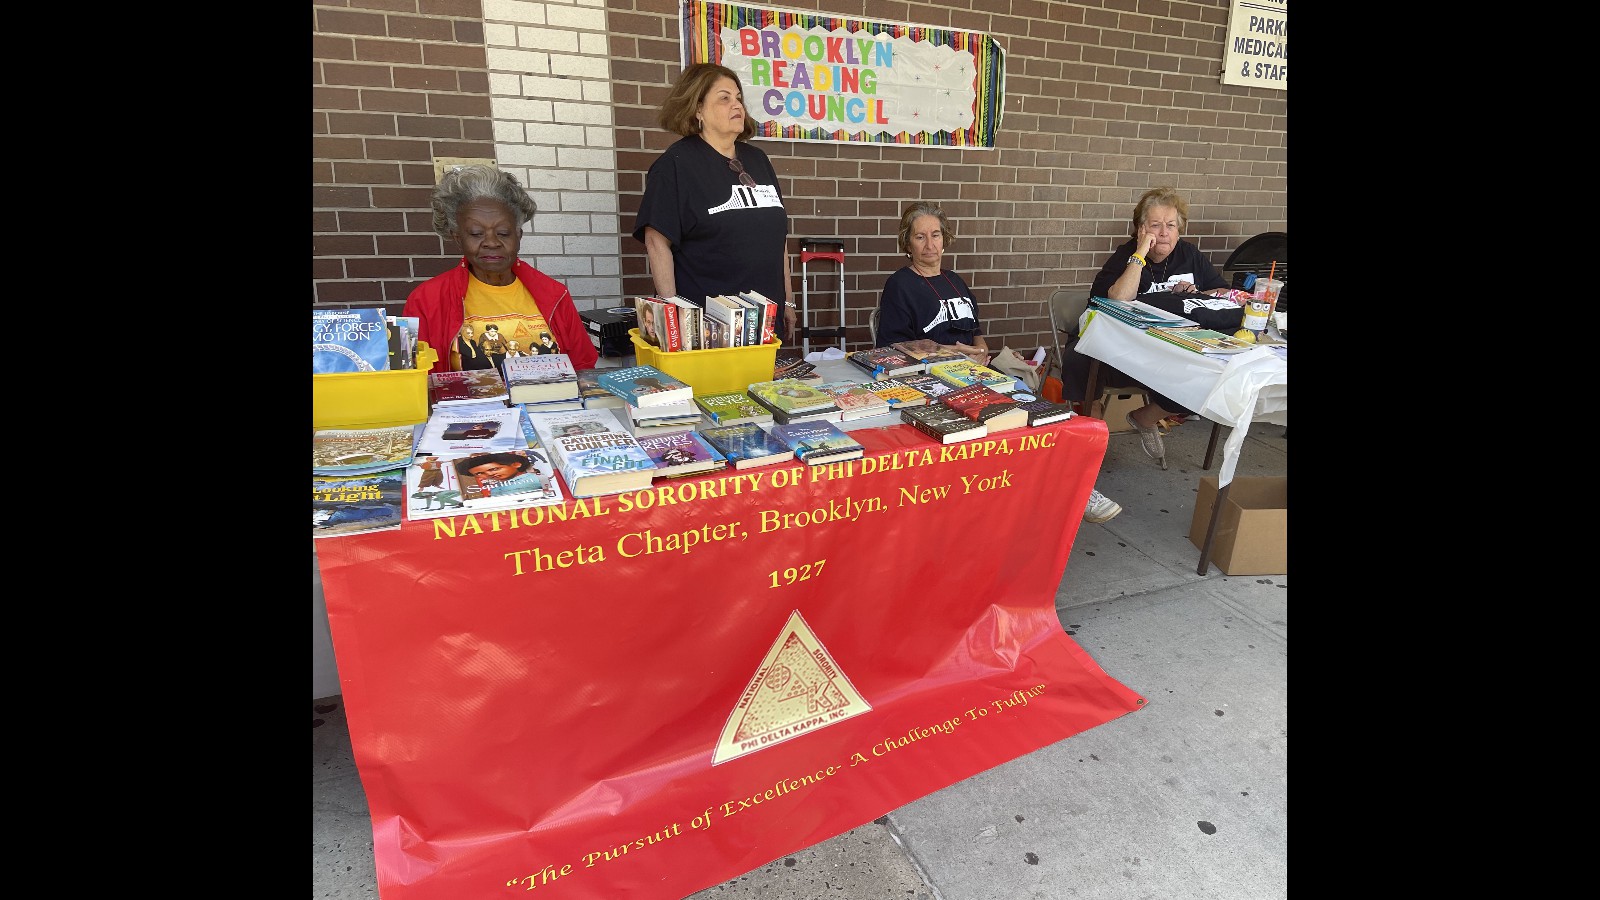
x=790, y=395
x=732, y=409
x=964, y=372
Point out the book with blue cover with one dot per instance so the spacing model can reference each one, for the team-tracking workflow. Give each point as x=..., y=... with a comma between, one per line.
x=747, y=445
x=818, y=443
x=644, y=386
x=349, y=340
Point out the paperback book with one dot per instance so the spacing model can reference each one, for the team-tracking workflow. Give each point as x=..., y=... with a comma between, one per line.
x=790, y=396
x=793, y=367
x=928, y=352
x=546, y=376
x=469, y=387
x=682, y=453
x=819, y=443
x=356, y=504
x=362, y=451
x=943, y=424
x=349, y=340
x=997, y=411
x=855, y=400
x=885, y=362
x=897, y=393
x=594, y=452
x=644, y=386
x=439, y=486
x=931, y=387
x=961, y=373
x=472, y=429
x=732, y=409
x=1201, y=340
x=747, y=445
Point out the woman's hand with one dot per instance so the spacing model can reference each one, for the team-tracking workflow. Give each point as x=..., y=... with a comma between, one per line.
x=1146, y=240
x=979, y=355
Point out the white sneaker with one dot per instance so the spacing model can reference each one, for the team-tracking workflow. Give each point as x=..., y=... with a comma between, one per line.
x=1101, y=508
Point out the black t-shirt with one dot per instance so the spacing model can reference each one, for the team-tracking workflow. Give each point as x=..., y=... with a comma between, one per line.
x=1185, y=262
x=725, y=237
x=940, y=309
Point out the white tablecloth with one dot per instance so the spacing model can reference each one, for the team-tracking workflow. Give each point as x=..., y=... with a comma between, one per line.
x=1236, y=390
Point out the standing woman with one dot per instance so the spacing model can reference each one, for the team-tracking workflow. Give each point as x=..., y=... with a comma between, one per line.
x=712, y=219
x=924, y=300
x=483, y=210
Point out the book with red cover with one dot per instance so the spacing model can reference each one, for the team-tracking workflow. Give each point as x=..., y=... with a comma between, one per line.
x=987, y=405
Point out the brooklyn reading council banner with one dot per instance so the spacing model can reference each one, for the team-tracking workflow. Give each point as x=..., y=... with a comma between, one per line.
x=814, y=77
x=643, y=695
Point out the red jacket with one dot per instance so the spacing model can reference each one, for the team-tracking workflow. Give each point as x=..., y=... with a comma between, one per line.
x=440, y=302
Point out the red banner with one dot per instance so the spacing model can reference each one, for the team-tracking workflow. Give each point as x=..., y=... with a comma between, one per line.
x=647, y=694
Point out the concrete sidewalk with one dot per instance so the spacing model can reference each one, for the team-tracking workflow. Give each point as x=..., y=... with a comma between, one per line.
x=1185, y=799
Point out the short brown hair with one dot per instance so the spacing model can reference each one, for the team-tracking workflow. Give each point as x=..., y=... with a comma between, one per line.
x=923, y=208
x=683, y=101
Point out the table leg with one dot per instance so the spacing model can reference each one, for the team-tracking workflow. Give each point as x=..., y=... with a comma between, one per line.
x=1211, y=446
x=1211, y=530
x=1091, y=388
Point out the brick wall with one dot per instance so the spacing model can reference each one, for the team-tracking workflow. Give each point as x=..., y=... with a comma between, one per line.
x=1103, y=100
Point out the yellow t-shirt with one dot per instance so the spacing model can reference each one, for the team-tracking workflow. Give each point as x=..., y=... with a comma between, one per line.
x=500, y=322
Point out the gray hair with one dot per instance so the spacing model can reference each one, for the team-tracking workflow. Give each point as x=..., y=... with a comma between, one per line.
x=461, y=186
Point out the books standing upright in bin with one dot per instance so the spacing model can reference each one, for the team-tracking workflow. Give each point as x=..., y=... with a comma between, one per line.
x=543, y=377
x=349, y=340
x=768, y=313
x=644, y=386
x=594, y=452
x=747, y=445
x=819, y=443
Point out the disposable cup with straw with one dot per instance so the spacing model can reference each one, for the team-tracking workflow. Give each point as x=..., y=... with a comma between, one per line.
x=1263, y=300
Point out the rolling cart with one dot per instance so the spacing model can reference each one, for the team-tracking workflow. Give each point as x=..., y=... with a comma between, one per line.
x=813, y=249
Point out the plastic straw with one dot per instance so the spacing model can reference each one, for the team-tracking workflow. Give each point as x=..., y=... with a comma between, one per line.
x=1272, y=271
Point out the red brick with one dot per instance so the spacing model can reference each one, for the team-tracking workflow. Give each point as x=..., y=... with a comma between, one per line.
x=393, y=101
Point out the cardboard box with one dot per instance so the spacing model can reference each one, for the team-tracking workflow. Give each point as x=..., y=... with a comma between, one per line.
x=1252, y=535
x=1116, y=410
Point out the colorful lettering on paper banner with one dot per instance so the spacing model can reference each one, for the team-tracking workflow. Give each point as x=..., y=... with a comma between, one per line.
x=810, y=77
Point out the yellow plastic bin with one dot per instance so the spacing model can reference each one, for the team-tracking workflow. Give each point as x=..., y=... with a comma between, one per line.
x=721, y=371
x=373, y=399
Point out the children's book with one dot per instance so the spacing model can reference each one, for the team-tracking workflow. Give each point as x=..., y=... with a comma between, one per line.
x=682, y=453
x=542, y=377
x=897, y=392
x=855, y=400
x=439, y=486
x=362, y=451
x=349, y=340
x=747, y=445
x=644, y=386
x=594, y=452
x=356, y=504
x=884, y=362
x=818, y=443
x=732, y=409
x=790, y=396
x=472, y=429
x=961, y=373
x=979, y=401
x=469, y=387
x=943, y=424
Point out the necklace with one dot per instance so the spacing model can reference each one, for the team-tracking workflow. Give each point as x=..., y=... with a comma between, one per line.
x=934, y=289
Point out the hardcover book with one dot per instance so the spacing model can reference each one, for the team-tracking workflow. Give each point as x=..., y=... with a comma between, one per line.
x=684, y=412
x=768, y=309
x=644, y=386
x=997, y=411
x=594, y=452
x=472, y=429
x=355, y=504
x=790, y=396
x=818, y=443
x=927, y=352
x=362, y=451
x=897, y=393
x=943, y=424
x=439, y=486
x=961, y=373
x=349, y=340
x=729, y=316
x=595, y=396
x=546, y=376
x=855, y=400
x=469, y=387
x=884, y=362
x=682, y=453
x=1046, y=412
x=403, y=341
x=732, y=409
x=793, y=367
x=747, y=445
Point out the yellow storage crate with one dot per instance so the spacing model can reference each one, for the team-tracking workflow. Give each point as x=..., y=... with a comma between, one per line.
x=724, y=370
x=373, y=399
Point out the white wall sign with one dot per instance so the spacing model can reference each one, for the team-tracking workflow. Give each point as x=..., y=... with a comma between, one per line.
x=1257, y=53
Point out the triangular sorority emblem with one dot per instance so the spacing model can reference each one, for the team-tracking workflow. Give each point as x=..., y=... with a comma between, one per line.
x=797, y=689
